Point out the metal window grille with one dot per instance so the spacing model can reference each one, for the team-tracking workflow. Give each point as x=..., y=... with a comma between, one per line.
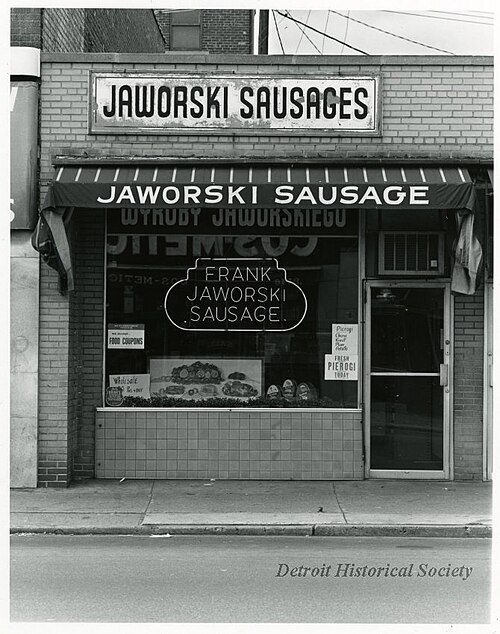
x=411, y=253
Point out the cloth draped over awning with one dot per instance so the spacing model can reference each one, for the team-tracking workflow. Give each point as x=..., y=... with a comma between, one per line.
x=373, y=187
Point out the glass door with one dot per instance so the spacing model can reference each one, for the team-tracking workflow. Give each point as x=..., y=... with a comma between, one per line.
x=407, y=379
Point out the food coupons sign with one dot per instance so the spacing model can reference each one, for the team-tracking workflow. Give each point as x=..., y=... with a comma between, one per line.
x=236, y=294
x=125, y=336
x=162, y=102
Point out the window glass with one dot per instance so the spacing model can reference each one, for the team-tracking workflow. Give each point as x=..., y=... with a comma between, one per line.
x=185, y=30
x=193, y=318
x=185, y=38
x=185, y=17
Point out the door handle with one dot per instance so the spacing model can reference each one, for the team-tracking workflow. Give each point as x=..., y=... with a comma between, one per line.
x=443, y=374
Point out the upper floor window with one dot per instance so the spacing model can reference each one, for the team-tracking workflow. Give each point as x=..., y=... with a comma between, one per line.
x=185, y=31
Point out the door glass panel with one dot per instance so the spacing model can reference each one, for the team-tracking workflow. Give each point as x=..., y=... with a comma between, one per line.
x=407, y=338
x=407, y=329
x=406, y=422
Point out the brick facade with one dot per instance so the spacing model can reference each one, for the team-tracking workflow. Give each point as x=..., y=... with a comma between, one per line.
x=122, y=31
x=222, y=30
x=54, y=427
x=87, y=336
x=468, y=386
x=87, y=30
x=63, y=30
x=433, y=108
x=26, y=27
x=438, y=109
x=227, y=31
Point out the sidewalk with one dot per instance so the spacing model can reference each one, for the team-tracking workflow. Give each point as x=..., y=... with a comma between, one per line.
x=160, y=507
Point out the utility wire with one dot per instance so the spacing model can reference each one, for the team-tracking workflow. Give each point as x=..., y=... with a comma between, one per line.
x=465, y=14
x=376, y=28
x=325, y=34
x=437, y=17
x=326, y=29
x=278, y=31
x=302, y=30
x=345, y=32
x=304, y=34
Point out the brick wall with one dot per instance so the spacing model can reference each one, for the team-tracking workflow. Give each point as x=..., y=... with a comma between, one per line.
x=122, y=31
x=468, y=386
x=226, y=31
x=71, y=353
x=90, y=30
x=86, y=329
x=432, y=108
x=222, y=30
x=163, y=20
x=54, y=468
x=26, y=27
x=63, y=30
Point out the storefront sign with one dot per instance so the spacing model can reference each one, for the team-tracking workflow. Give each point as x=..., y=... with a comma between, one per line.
x=126, y=336
x=263, y=195
x=135, y=103
x=236, y=294
x=136, y=385
x=211, y=221
x=342, y=364
x=23, y=153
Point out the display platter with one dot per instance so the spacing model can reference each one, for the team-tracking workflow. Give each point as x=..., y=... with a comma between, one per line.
x=202, y=378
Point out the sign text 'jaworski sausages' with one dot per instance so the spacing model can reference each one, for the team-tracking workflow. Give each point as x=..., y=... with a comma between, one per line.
x=173, y=101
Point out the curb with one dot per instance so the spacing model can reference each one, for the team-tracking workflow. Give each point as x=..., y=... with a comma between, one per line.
x=315, y=530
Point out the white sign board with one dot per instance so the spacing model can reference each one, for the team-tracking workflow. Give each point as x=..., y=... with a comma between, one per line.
x=343, y=363
x=161, y=102
x=345, y=339
x=132, y=384
x=124, y=336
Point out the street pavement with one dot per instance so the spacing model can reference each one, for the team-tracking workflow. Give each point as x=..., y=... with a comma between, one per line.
x=342, y=508
x=228, y=579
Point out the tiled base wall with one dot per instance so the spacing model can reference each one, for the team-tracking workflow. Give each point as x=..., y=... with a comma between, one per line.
x=229, y=444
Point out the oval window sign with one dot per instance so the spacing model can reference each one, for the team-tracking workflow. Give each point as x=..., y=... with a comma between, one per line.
x=236, y=294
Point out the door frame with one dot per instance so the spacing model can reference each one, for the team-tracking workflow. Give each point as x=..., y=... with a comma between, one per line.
x=488, y=382
x=412, y=474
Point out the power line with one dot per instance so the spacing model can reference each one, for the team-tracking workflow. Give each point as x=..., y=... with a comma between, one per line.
x=305, y=34
x=346, y=29
x=325, y=34
x=464, y=14
x=376, y=28
x=278, y=31
x=326, y=29
x=302, y=31
x=437, y=17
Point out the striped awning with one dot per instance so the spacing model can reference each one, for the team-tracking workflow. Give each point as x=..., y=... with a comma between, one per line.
x=243, y=186
x=250, y=186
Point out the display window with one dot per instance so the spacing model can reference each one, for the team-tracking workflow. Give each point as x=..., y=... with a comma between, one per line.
x=224, y=314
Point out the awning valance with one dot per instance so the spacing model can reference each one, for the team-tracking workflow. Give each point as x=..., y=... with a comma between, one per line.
x=253, y=186
x=303, y=186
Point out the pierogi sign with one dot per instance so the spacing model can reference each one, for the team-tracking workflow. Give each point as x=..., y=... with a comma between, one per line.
x=236, y=294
